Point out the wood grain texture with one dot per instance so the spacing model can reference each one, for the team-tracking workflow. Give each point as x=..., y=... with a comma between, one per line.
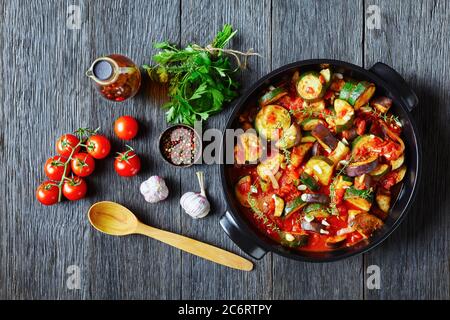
x=135, y=267
x=201, y=280
x=328, y=37
x=44, y=93
x=47, y=95
x=413, y=39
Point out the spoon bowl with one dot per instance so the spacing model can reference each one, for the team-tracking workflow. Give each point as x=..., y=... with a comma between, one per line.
x=112, y=218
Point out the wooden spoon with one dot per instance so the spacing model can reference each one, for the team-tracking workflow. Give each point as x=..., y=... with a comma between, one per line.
x=116, y=220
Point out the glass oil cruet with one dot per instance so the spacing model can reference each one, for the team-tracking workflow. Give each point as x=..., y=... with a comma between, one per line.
x=116, y=77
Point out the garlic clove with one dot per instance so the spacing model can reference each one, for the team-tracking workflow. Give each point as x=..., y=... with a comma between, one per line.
x=195, y=204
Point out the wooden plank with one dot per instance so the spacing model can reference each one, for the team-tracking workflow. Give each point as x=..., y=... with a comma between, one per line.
x=135, y=267
x=3, y=204
x=47, y=94
x=204, y=280
x=414, y=261
x=303, y=30
x=43, y=98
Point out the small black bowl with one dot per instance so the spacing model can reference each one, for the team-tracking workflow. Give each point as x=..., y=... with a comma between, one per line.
x=165, y=135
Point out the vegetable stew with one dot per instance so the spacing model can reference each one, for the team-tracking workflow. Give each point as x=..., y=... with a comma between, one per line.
x=318, y=164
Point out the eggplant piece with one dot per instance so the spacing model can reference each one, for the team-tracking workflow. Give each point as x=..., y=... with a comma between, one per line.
x=350, y=134
x=315, y=198
x=367, y=223
x=325, y=137
x=336, y=241
x=362, y=167
x=311, y=226
x=315, y=149
x=383, y=199
x=382, y=104
x=299, y=152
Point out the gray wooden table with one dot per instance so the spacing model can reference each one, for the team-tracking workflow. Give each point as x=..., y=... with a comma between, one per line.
x=44, y=93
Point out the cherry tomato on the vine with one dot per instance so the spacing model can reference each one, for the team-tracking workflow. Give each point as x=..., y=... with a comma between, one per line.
x=47, y=193
x=98, y=146
x=126, y=127
x=127, y=164
x=74, y=188
x=82, y=164
x=54, y=168
x=66, y=143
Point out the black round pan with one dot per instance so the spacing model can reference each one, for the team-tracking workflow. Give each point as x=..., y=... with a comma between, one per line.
x=389, y=83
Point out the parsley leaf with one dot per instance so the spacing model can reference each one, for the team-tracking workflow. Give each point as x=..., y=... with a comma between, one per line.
x=200, y=79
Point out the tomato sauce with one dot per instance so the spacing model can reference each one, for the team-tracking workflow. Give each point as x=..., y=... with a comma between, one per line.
x=327, y=215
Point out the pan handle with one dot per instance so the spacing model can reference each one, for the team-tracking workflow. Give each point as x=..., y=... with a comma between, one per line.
x=243, y=241
x=396, y=81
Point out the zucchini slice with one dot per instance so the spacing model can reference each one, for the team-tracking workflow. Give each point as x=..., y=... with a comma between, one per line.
x=317, y=106
x=279, y=205
x=271, y=118
x=306, y=138
x=294, y=240
x=361, y=143
x=359, y=198
x=344, y=115
x=401, y=172
x=349, y=86
x=248, y=148
x=320, y=167
x=269, y=167
x=316, y=210
x=241, y=190
x=291, y=137
x=272, y=96
x=361, y=94
x=339, y=153
x=309, y=182
x=397, y=163
x=309, y=124
x=293, y=206
x=310, y=87
x=380, y=170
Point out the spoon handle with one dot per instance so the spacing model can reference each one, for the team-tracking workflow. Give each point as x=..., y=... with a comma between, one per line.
x=195, y=247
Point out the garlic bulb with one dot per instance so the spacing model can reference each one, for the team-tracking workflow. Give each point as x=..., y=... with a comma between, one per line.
x=196, y=204
x=154, y=189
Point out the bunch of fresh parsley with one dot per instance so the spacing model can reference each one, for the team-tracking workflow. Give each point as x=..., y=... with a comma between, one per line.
x=200, y=79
